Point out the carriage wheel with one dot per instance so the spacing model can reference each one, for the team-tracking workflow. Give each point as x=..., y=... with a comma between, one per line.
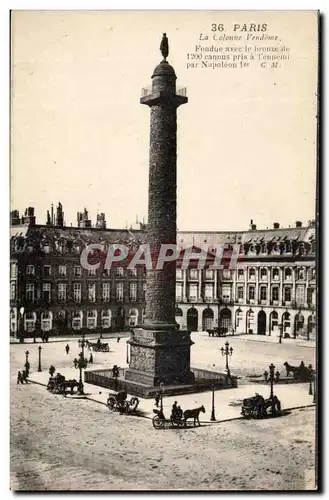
x=134, y=402
x=107, y=349
x=157, y=422
x=174, y=423
x=111, y=403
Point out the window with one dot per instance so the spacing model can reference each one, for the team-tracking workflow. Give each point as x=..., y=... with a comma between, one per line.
x=92, y=292
x=252, y=273
x=275, y=293
x=77, y=292
x=300, y=295
x=62, y=270
x=263, y=273
x=179, y=291
x=194, y=273
x=13, y=270
x=106, y=318
x=46, y=292
x=144, y=289
x=106, y=292
x=193, y=292
x=46, y=321
x=287, y=294
x=119, y=292
x=30, y=270
x=275, y=273
x=29, y=322
x=91, y=319
x=62, y=292
x=240, y=274
x=119, y=271
x=133, y=272
x=179, y=274
x=240, y=292
x=77, y=271
x=226, y=292
x=226, y=274
x=287, y=273
x=13, y=291
x=133, y=291
x=46, y=271
x=209, y=274
x=91, y=272
x=301, y=274
x=77, y=318
x=208, y=291
x=251, y=293
x=263, y=293
x=29, y=292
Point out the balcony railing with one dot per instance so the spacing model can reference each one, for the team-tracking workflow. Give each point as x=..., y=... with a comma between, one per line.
x=146, y=91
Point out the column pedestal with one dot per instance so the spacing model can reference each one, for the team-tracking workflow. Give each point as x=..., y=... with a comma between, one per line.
x=158, y=356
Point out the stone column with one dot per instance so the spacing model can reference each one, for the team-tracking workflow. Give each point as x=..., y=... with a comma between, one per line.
x=160, y=352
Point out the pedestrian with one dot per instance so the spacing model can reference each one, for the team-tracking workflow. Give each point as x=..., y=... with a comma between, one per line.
x=52, y=370
x=157, y=399
x=277, y=376
x=27, y=368
x=118, y=339
x=75, y=361
x=19, y=378
x=91, y=359
x=67, y=348
x=24, y=376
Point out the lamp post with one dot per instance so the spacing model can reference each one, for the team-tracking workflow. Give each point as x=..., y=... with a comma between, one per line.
x=213, y=418
x=27, y=364
x=161, y=402
x=21, y=325
x=127, y=352
x=281, y=333
x=227, y=351
x=81, y=362
x=39, y=367
x=272, y=368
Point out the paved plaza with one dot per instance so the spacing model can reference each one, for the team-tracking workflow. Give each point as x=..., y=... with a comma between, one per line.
x=109, y=451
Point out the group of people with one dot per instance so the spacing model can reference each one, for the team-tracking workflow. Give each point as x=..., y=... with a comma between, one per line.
x=176, y=411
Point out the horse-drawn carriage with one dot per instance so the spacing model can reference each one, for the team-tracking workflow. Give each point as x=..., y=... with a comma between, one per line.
x=59, y=385
x=118, y=402
x=177, y=419
x=217, y=332
x=99, y=347
x=257, y=407
x=300, y=373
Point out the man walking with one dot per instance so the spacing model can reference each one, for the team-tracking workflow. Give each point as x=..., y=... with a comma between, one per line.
x=67, y=348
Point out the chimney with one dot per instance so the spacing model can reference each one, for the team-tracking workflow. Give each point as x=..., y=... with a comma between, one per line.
x=276, y=225
x=299, y=223
x=59, y=215
x=252, y=226
x=14, y=218
x=29, y=217
x=100, y=221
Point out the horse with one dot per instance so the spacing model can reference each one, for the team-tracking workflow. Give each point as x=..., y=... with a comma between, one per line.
x=299, y=372
x=291, y=369
x=193, y=414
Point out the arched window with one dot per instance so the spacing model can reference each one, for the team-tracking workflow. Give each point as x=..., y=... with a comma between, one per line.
x=106, y=318
x=77, y=320
x=29, y=321
x=133, y=316
x=46, y=321
x=91, y=319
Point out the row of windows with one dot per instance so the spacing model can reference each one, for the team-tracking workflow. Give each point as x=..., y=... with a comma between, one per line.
x=77, y=271
x=275, y=293
x=300, y=273
x=77, y=291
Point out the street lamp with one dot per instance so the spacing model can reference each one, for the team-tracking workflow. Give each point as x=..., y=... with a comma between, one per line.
x=271, y=378
x=127, y=352
x=39, y=367
x=213, y=418
x=21, y=324
x=161, y=402
x=81, y=362
x=227, y=351
x=27, y=362
x=281, y=332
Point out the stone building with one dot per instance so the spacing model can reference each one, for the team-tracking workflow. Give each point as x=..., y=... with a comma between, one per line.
x=273, y=284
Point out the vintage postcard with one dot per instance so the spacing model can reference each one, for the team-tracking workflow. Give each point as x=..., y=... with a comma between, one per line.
x=163, y=250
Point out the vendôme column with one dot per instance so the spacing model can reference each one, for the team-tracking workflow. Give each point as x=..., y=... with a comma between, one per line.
x=160, y=353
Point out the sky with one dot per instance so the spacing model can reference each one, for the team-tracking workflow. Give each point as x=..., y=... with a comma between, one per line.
x=79, y=135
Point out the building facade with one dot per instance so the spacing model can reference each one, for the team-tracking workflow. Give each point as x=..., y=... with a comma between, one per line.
x=272, y=286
